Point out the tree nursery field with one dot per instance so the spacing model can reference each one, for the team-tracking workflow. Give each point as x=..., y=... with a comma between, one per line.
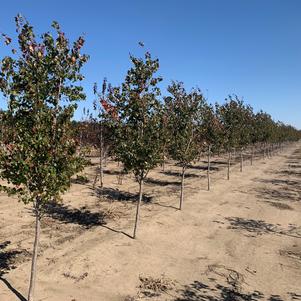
x=240, y=241
x=148, y=196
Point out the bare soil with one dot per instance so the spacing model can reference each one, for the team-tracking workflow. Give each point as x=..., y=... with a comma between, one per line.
x=239, y=241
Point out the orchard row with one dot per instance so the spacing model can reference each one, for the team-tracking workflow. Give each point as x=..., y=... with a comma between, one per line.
x=39, y=152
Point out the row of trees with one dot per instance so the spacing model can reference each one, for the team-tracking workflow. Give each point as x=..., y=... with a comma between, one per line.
x=39, y=153
x=140, y=129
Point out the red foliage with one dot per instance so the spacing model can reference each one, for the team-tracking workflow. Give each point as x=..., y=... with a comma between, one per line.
x=109, y=109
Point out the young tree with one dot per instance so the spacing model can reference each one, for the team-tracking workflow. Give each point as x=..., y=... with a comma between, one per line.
x=184, y=126
x=211, y=134
x=165, y=135
x=136, y=113
x=38, y=154
x=233, y=119
x=263, y=129
x=103, y=134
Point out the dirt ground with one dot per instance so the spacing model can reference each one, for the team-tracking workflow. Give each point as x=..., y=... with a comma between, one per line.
x=239, y=241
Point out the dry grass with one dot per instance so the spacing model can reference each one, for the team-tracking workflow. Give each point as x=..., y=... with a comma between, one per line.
x=158, y=285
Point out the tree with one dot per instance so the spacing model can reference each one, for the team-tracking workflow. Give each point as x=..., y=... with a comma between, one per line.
x=233, y=120
x=211, y=134
x=136, y=113
x=184, y=126
x=103, y=134
x=38, y=154
x=165, y=135
x=263, y=129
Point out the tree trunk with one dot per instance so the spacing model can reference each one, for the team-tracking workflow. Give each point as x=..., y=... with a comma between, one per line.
x=208, y=168
x=34, y=258
x=252, y=154
x=101, y=155
x=229, y=163
x=182, y=188
x=241, y=160
x=163, y=161
x=101, y=169
x=141, y=182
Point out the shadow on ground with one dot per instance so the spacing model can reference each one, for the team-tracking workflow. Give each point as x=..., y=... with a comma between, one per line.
x=198, y=291
x=178, y=174
x=281, y=190
x=112, y=194
x=162, y=182
x=82, y=217
x=259, y=227
x=203, y=167
x=8, y=260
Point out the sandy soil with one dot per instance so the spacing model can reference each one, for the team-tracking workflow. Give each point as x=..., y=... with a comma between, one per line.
x=240, y=241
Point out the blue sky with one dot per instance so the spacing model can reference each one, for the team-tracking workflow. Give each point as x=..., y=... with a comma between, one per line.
x=248, y=47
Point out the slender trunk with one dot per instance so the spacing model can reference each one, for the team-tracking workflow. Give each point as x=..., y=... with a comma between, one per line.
x=229, y=164
x=241, y=160
x=208, y=169
x=182, y=187
x=101, y=155
x=163, y=161
x=34, y=258
x=252, y=154
x=101, y=169
x=138, y=207
x=105, y=158
x=95, y=180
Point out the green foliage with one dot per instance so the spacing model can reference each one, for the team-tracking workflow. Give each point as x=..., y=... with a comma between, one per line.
x=40, y=81
x=135, y=110
x=236, y=120
x=185, y=118
x=211, y=128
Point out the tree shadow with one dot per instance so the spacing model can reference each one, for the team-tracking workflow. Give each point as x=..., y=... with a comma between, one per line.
x=275, y=298
x=215, y=162
x=161, y=182
x=7, y=263
x=290, y=172
x=259, y=227
x=118, y=231
x=82, y=180
x=278, y=182
x=112, y=194
x=178, y=174
x=114, y=172
x=279, y=195
x=203, y=167
x=7, y=258
x=13, y=290
x=294, y=296
x=280, y=205
x=68, y=215
x=288, y=190
x=198, y=291
x=165, y=206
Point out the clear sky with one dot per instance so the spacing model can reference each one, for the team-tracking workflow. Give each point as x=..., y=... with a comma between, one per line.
x=248, y=47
